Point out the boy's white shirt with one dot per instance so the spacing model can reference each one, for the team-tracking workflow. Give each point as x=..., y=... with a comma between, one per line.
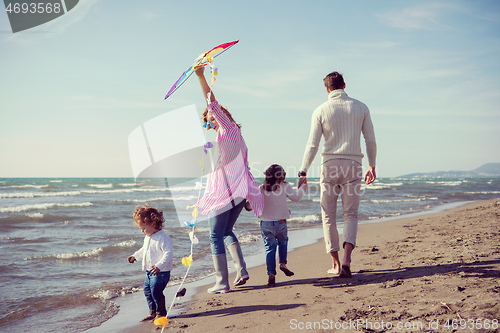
x=156, y=251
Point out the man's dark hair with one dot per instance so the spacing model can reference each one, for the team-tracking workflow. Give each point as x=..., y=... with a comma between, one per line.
x=334, y=81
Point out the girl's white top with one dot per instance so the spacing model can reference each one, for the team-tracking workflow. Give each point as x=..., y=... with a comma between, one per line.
x=275, y=206
x=156, y=251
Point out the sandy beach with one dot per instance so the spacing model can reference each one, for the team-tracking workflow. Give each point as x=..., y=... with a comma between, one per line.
x=429, y=273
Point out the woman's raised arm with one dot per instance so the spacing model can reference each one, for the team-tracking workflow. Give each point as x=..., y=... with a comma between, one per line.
x=205, y=88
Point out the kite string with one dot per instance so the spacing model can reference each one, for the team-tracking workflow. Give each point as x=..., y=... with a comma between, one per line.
x=180, y=286
x=192, y=245
x=183, y=279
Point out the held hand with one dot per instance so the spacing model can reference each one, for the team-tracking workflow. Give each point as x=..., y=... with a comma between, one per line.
x=248, y=207
x=131, y=259
x=302, y=180
x=370, y=175
x=155, y=270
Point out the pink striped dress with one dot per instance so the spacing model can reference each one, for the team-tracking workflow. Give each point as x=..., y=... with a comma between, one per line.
x=231, y=177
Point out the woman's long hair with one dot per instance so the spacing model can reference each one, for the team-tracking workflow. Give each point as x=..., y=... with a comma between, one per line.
x=275, y=175
x=226, y=112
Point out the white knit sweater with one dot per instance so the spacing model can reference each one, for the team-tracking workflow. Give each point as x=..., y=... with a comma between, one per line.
x=341, y=120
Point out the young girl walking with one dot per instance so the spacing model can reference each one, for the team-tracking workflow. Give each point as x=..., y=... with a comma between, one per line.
x=273, y=218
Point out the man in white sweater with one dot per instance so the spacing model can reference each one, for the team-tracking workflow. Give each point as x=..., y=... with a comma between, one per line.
x=341, y=120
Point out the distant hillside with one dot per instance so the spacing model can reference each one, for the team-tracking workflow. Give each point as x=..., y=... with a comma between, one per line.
x=487, y=170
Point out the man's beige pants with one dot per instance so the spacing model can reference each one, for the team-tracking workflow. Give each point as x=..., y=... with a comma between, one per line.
x=340, y=177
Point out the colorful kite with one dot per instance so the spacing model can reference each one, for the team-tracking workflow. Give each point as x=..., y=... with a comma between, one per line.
x=203, y=59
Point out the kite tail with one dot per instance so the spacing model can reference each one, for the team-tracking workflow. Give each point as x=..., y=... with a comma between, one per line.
x=188, y=260
x=180, y=285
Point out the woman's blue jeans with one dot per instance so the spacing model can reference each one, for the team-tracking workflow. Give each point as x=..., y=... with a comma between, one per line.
x=153, y=290
x=275, y=235
x=221, y=225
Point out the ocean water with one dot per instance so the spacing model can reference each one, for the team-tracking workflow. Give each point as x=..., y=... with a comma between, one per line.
x=64, y=242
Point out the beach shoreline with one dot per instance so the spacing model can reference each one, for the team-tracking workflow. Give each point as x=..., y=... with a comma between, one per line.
x=402, y=275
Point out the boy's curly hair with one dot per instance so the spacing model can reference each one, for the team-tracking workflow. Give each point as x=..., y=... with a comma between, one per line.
x=149, y=215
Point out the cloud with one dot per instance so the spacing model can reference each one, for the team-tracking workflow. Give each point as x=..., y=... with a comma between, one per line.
x=422, y=17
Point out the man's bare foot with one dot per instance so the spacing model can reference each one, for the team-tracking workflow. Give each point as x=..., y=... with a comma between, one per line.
x=335, y=263
x=346, y=272
x=334, y=271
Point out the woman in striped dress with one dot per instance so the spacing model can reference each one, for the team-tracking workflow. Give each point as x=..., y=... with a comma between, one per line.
x=229, y=186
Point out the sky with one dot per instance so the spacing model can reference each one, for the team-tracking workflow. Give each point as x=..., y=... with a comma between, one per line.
x=73, y=90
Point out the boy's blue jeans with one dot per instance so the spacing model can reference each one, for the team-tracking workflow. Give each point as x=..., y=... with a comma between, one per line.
x=275, y=235
x=221, y=225
x=153, y=290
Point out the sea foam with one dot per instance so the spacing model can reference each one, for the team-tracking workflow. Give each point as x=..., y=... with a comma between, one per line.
x=79, y=192
x=84, y=254
x=44, y=206
x=101, y=185
x=28, y=186
x=307, y=218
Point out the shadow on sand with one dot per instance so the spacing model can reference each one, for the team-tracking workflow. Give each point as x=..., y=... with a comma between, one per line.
x=478, y=269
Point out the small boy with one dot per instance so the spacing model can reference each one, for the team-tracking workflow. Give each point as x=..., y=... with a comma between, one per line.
x=156, y=255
